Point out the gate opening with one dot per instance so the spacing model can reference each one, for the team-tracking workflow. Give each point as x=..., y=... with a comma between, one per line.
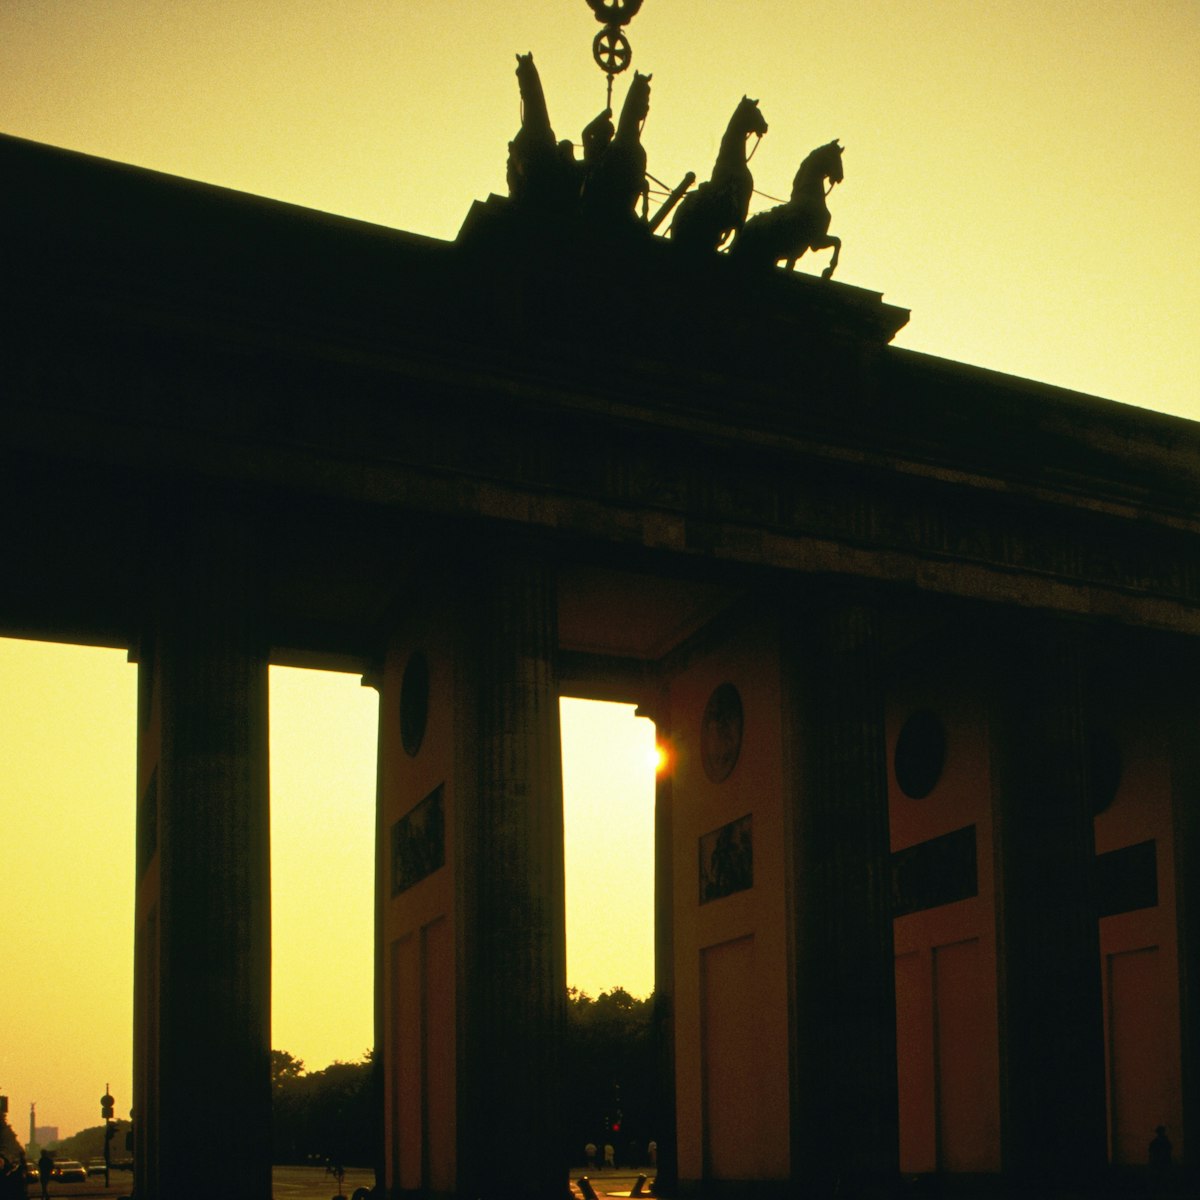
x=68, y=746
x=323, y=767
x=609, y=759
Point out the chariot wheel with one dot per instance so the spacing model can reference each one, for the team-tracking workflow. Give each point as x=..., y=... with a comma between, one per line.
x=611, y=50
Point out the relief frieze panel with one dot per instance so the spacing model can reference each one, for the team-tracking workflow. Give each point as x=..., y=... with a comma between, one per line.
x=731, y=490
x=876, y=509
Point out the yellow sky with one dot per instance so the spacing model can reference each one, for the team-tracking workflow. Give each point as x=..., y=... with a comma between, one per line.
x=68, y=733
x=67, y=800
x=1022, y=174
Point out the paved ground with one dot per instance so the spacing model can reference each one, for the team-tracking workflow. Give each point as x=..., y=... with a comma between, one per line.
x=618, y=1181
x=312, y=1183
x=120, y=1183
x=288, y=1183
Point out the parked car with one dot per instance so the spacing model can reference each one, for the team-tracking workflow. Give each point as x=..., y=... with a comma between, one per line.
x=67, y=1170
x=95, y=1166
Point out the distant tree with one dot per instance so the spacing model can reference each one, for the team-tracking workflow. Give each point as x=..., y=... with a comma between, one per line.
x=324, y=1116
x=343, y=1121
x=10, y=1147
x=89, y=1143
x=609, y=1073
x=285, y=1068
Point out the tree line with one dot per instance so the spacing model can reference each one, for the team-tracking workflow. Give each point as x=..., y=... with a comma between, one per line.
x=334, y=1115
x=89, y=1143
x=326, y=1116
x=608, y=1091
x=609, y=1077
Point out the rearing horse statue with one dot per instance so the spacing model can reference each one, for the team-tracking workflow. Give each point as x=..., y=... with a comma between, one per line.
x=618, y=177
x=717, y=208
x=538, y=175
x=788, y=230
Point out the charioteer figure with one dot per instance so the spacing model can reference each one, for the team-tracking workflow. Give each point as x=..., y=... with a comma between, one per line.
x=613, y=185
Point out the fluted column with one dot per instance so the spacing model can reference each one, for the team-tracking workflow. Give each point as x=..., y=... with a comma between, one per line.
x=844, y=1097
x=1051, y=1039
x=1182, y=700
x=513, y=1003
x=204, y=953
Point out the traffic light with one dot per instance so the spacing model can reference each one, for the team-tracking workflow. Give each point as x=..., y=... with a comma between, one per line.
x=3, y=1106
x=106, y=1107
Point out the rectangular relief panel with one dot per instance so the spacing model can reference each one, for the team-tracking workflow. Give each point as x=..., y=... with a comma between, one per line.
x=930, y=874
x=968, y=1086
x=419, y=842
x=1127, y=879
x=727, y=860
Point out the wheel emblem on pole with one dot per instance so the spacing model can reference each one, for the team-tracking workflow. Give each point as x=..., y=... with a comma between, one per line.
x=611, y=50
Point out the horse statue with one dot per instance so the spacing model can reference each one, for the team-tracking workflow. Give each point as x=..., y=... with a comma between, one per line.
x=617, y=176
x=788, y=230
x=717, y=208
x=541, y=172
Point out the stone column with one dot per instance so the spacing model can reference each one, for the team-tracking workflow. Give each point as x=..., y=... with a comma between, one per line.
x=206, y=971
x=1183, y=701
x=843, y=1023
x=1051, y=1020
x=513, y=949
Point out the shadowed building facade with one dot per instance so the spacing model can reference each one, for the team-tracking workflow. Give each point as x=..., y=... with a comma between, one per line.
x=920, y=638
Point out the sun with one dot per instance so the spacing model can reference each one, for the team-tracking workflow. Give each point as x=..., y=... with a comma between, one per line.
x=660, y=757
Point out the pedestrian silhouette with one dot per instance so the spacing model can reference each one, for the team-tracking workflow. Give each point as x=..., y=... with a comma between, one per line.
x=45, y=1167
x=1159, y=1157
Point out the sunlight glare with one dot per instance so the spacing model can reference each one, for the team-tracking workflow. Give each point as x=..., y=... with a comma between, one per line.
x=660, y=758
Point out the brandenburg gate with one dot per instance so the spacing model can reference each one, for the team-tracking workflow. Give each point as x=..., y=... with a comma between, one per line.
x=922, y=640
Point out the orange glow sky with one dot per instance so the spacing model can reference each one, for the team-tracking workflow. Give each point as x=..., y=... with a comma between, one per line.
x=1022, y=174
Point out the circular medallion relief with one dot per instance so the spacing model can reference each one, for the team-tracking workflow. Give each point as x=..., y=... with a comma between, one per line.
x=414, y=703
x=721, y=732
x=920, y=754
